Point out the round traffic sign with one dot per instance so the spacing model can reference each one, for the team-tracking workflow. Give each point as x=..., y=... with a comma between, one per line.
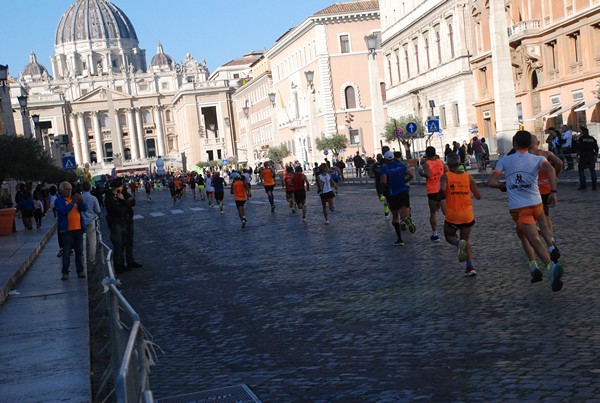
x=399, y=132
x=326, y=152
x=411, y=127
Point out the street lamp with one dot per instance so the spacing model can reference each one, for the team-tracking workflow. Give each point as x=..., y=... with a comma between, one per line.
x=25, y=116
x=310, y=76
x=36, y=119
x=227, y=121
x=246, y=110
x=371, y=41
x=272, y=98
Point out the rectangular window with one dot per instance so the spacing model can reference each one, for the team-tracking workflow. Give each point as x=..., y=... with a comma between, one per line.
x=455, y=114
x=143, y=87
x=119, y=88
x=165, y=86
x=355, y=136
x=575, y=44
x=551, y=55
x=344, y=44
x=443, y=124
x=84, y=91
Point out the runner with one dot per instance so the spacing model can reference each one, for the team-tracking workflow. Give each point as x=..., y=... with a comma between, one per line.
x=525, y=203
x=268, y=178
x=210, y=190
x=148, y=187
x=433, y=169
x=544, y=222
x=219, y=184
x=395, y=176
x=325, y=189
x=380, y=163
x=241, y=192
x=192, y=183
x=200, y=183
x=300, y=180
x=288, y=184
x=456, y=187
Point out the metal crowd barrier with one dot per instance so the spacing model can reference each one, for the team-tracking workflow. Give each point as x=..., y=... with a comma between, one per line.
x=129, y=346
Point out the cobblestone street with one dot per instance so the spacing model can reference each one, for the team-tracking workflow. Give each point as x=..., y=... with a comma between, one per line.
x=309, y=312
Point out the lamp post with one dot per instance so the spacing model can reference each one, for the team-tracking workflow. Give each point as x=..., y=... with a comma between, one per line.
x=25, y=116
x=36, y=120
x=7, y=124
x=377, y=115
x=272, y=99
x=312, y=109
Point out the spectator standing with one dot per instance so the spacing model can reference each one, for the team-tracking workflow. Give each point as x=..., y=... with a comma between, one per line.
x=359, y=164
x=567, y=143
x=587, y=152
x=70, y=227
x=89, y=221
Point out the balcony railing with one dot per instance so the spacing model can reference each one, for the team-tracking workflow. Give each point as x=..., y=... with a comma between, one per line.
x=524, y=28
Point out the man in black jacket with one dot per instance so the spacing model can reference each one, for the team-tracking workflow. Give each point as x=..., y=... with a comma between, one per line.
x=117, y=211
x=587, y=151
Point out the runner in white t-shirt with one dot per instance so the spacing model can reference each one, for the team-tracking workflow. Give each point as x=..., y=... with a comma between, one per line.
x=525, y=203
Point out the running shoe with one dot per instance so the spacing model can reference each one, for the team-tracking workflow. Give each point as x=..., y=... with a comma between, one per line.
x=399, y=242
x=462, y=250
x=435, y=238
x=412, y=228
x=60, y=253
x=303, y=219
x=272, y=208
x=222, y=212
x=536, y=275
x=382, y=198
x=244, y=222
x=326, y=222
x=386, y=214
x=555, y=255
x=402, y=226
x=293, y=210
x=65, y=277
x=470, y=271
x=556, y=273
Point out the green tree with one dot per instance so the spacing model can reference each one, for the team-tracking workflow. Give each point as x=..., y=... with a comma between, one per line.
x=278, y=153
x=23, y=159
x=335, y=143
x=406, y=139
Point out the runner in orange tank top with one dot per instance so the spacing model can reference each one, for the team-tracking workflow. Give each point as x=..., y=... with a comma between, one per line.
x=268, y=178
x=433, y=169
x=456, y=186
x=241, y=192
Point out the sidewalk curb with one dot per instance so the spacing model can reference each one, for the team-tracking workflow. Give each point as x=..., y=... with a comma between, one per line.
x=24, y=266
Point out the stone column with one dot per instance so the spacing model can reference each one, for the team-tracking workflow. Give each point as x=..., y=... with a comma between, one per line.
x=83, y=138
x=507, y=120
x=98, y=138
x=159, y=130
x=132, y=134
x=75, y=139
x=117, y=134
x=140, y=133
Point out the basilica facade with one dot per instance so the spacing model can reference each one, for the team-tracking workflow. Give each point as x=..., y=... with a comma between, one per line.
x=116, y=110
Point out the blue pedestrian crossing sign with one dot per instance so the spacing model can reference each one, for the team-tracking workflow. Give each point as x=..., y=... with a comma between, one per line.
x=69, y=163
x=411, y=127
x=433, y=125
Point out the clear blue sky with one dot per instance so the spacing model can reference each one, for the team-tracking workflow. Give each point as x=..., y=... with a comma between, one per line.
x=217, y=31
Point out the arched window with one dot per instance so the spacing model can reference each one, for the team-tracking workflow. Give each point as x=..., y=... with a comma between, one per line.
x=146, y=115
x=416, y=47
x=350, y=96
x=104, y=120
x=427, y=53
x=534, y=80
x=88, y=123
x=383, y=94
x=451, y=39
x=168, y=116
x=122, y=120
x=127, y=154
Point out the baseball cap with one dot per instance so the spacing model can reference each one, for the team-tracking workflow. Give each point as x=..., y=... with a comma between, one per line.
x=388, y=155
x=235, y=175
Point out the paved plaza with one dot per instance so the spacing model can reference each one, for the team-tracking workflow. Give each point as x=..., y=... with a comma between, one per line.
x=309, y=312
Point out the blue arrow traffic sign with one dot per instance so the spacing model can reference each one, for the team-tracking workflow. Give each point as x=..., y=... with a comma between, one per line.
x=411, y=127
x=69, y=163
x=433, y=126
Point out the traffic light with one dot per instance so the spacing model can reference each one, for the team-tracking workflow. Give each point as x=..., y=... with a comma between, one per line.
x=349, y=120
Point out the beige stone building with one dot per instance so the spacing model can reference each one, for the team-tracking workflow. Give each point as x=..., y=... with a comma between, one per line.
x=116, y=110
x=554, y=63
x=321, y=73
x=427, y=49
